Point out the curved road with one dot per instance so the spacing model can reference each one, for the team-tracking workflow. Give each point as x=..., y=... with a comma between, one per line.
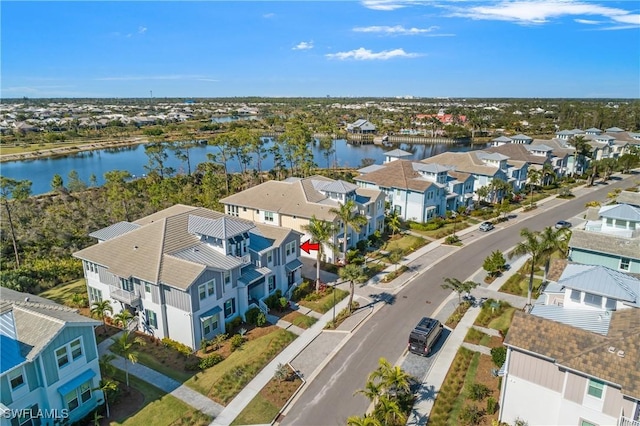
x=329, y=399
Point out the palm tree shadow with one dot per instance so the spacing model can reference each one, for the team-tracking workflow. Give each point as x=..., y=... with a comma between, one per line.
x=425, y=393
x=383, y=297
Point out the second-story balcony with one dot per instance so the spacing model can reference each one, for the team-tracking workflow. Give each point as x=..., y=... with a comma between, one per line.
x=626, y=421
x=124, y=296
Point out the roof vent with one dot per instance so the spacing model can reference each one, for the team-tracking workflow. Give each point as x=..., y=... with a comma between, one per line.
x=612, y=349
x=135, y=247
x=621, y=354
x=26, y=299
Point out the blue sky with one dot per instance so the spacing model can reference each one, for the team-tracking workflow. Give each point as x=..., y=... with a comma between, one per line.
x=542, y=48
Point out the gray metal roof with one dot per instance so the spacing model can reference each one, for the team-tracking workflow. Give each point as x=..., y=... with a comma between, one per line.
x=540, y=147
x=593, y=130
x=621, y=211
x=430, y=167
x=222, y=228
x=602, y=281
x=522, y=137
x=491, y=156
x=398, y=153
x=595, y=321
x=614, y=129
x=502, y=139
x=251, y=273
x=203, y=254
x=339, y=186
x=371, y=168
x=114, y=230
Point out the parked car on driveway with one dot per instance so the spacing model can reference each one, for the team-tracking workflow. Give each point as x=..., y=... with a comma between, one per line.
x=563, y=224
x=486, y=226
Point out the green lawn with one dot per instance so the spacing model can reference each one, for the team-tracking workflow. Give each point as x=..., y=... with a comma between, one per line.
x=406, y=243
x=304, y=321
x=223, y=381
x=258, y=411
x=518, y=284
x=63, y=292
x=159, y=408
x=324, y=303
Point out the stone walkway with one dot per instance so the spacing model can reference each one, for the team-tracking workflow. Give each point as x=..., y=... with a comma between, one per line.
x=162, y=382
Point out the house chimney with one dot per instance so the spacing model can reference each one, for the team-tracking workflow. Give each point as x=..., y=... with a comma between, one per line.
x=612, y=349
x=621, y=354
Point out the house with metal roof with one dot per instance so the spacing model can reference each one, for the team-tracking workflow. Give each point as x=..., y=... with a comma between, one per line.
x=185, y=271
x=419, y=191
x=361, y=126
x=577, y=351
x=292, y=203
x=612, y=240
x=49, y=368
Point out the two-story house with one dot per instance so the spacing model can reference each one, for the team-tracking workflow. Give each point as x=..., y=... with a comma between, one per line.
x=576, y=354
x=361, y=126
x=49, y=368
x=418, y=191
x=612, y=239
x=292, y=203
x=184, y=271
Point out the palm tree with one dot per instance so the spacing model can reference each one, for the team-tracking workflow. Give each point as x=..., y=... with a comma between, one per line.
x=99, y=309
x=122, y=318
x=548, y=175
x=363, y=421
x=582, y=150
x=393, y=221
x=106, y=368
x=389, y=412
x=394, y=380
x=352, y=273
x=555, y=240
x=533, y=245
x=534, y=180
x=459, y=286
x=372, y=391
x=320, y=231
x=106, y=386
x=125, y=347
x=592, y=171
x=350, y=217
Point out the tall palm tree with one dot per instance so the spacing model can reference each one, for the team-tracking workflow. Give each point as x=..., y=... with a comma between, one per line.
x=106, y=368
x=548, y=175
x=352, y=273
x=535, y=246
x=125, y=347
x=393, y=221
x=350, y=218
x=321, y=231
x=105, y=386
x=372, y=391
x=555, y=240
x=99, y=310
x=459, y=286
x=363, y=421
x=388, y=412
x=534, y=180
x=582, y=150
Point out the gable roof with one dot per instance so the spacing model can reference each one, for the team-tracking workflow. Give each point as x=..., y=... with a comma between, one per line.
x=114, y=230
x=398, y=153
x=398, y=174
x=518, y=152
x=621, y=211
x=467, y=162
x=602, y=281
x=629, y=197
x=584, y=351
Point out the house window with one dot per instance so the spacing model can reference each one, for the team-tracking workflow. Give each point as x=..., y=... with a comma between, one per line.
x=202, y=291
x=592, y=300
x=24, y=418
x=595, y=388
x=624, y=263
x=152, y=319
x=72, y=400
x=76, y=349
x=610, y=304
x=229, y=308
x=290, y=248
x=16, y=378
x=95, y=295
x=227, y=277
x=575, y=295
x=126, y=284
x=211, y=287
x=209, y=325
x=62, y=357
x=272, y=283
x=85, y=391
x=268, y=216
x=269, y=257
x=147, y=287
x=586, y=423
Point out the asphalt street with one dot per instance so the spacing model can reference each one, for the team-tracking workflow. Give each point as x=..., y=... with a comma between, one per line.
x=330, y=398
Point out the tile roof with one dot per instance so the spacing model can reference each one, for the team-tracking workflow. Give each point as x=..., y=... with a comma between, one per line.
x=629, y=197
x=518, y=152
x=467, y=162
x=398, y=174
x=600, y=242
x=582, y=350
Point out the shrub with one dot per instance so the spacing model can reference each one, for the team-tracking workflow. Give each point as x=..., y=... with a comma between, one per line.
x=233, y=323
x=499, y=355
x=283, y=303
x=452, y=239
x=252, y=315
x=236, y=341
x=210, y=361
x=492, y=405
x=273, y=301
x=282, y=372
x=471, y=415
x=180, y=347
x=261, y=320
x=302, y=290
x=477, y=391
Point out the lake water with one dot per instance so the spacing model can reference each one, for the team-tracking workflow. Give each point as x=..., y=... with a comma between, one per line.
x=133, y=159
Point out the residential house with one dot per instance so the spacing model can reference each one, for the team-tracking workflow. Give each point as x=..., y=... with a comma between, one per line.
x=611, y=239
x=536, y=156
x=49, y=368
x=293, y=202
x=577, y=353
x=418, y=191
x=184, y=271
x=361, y=126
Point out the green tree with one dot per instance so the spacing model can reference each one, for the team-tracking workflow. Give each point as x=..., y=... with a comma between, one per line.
x=459, y=286
x=395, y=256
x=158, y=157
x=17, y=190
x=388, y=412
x=534, y=246
x=495, y=263
x=74, y=183
x=57, y=184
x=107, y=370
x=626, y=162
x=106, y=386
x=393, y=221
x=122, y=318
x=582, y=151
x=555, y=241
x=119, y=195
x=125, y=346
x=365, y=420
x=533, y=176
x=354, y=274
x=99, y=310
x=349, y=216
x=321, y=232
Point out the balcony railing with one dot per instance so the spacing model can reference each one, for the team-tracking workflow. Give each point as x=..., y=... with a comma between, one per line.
x=128, y=297
x=626, y=421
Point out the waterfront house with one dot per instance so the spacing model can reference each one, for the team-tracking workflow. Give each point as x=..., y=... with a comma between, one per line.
x=185, y=271
x=48, y=364
x=576, y=353
x=361, y=126
x=293, y=202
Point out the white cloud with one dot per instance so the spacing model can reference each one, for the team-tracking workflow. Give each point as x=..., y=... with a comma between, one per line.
x=142, y=30
x=269, y=15
x=363, y=54
x=303, y=45
x=541, y=11
x=383, y=4
x=587, y=21
x=397, y=29
x=156, y=77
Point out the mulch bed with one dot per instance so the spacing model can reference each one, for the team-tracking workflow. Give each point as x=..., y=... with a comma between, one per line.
x=484, y=376
x=128, y=403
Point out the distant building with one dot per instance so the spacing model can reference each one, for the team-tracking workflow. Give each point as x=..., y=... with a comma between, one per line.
x=361, y=126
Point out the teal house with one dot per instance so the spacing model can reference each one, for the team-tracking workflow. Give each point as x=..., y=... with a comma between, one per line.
x=49, y=368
